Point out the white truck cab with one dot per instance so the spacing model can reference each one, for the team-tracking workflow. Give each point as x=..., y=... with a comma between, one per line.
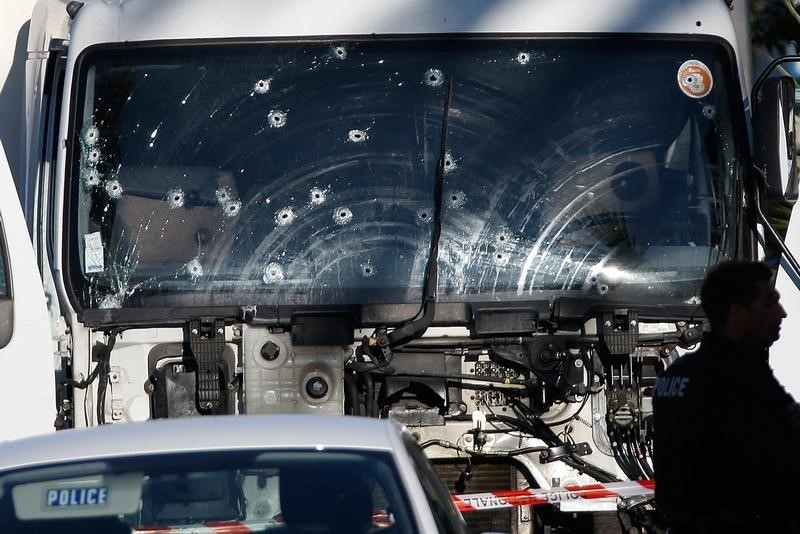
x=489, y=221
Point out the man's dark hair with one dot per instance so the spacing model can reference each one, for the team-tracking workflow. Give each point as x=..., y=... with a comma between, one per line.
x=731, y=282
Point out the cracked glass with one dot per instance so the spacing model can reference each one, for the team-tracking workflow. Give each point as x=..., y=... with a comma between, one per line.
x=303, y=172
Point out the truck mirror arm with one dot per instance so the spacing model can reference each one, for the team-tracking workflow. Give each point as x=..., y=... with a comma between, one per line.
x=765, y=74
x=768, y=226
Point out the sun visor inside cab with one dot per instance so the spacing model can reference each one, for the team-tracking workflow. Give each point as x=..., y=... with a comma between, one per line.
x=88, y=496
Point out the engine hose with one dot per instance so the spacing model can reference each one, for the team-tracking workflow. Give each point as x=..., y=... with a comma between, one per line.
x=622, y=459
x=597, y=473
x=369, y=390
x=642, y=458
x=546, y=434
x=619, y=456
x=639, y=453
x=633, y=456
x=351, y=386
x=83, y=384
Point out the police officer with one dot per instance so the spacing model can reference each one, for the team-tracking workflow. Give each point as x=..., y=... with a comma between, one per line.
x=726, y=432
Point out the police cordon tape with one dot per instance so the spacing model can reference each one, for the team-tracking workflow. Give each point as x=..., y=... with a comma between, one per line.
x=534, y=497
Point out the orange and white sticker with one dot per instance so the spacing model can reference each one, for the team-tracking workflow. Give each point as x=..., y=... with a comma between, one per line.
x=694, y=79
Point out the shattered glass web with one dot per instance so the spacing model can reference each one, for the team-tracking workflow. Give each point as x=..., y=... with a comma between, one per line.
x=526, y=159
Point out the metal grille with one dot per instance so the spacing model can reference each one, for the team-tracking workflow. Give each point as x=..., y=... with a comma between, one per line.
x=485, y=477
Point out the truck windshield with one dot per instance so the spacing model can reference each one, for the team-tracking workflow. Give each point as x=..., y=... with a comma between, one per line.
x=303, y=172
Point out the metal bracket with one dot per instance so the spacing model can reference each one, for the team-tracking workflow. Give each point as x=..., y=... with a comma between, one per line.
x=207, y=343
x=619, y=331
x=562, y=451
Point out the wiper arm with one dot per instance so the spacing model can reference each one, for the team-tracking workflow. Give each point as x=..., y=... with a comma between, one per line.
x=417, y=326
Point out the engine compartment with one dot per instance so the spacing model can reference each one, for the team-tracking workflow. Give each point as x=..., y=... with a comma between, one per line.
x=557, y=408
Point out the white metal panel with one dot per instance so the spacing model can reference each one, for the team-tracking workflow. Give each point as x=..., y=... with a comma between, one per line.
x=49, y=20
x=27, y=396
x=138, y=20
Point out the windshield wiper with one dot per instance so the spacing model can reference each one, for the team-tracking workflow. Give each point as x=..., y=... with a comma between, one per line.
x=419, y=324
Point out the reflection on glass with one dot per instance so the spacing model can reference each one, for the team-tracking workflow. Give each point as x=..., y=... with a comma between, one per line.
x=274, y=173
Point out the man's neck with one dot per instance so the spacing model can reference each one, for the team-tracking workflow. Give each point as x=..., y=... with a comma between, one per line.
x=734, y=336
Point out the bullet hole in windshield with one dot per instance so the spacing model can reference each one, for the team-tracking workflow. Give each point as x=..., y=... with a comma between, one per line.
x=223, y=194
x=91, y=135
x=456, y=199
x=284, y=216
x=114, y=189
x=339, y=52
x=175, y=198
x=92, y=178
x=523, y=58
x=503, y=239
x=434, y=77
x=424, y=216
x=357, y=136
x=342, y=215
x=709, y=111
x=229, y=203
x=450, y=162
x=273, y=272
x=602, y=288
x=231, y=208
x=500, y=258
x=93, y=155
x=277, y=119
x=194, y=269
x=317, y=196
x=261, y=86
x=367, y=270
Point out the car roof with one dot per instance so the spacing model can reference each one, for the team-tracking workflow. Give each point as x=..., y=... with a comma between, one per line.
x=202, y=434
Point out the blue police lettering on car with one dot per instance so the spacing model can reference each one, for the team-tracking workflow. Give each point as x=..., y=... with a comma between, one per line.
x=76, y=497
x=671, y=386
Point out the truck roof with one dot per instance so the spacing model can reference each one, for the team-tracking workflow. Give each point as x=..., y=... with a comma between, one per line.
x=201, y=434
x=148, y=20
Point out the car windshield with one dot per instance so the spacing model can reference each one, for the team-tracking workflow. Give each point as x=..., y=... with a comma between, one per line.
x=347, y=492
x=303, y=172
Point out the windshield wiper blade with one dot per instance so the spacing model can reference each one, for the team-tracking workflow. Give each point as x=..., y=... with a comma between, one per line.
x=417, y=326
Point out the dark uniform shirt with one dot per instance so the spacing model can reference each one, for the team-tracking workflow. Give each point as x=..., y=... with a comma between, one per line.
x=725, y=443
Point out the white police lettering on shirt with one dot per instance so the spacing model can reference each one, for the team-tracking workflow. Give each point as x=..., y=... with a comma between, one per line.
x=671, y=386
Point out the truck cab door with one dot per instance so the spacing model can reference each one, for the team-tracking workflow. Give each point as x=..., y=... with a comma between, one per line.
x=27, y=396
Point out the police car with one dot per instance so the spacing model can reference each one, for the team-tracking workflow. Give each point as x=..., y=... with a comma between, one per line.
x=301, y=473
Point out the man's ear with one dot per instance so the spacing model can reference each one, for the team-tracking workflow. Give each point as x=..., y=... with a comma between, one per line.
x=738, y=314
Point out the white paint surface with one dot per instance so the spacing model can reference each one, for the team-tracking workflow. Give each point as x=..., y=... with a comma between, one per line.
x=27, y=398
x=13, y=41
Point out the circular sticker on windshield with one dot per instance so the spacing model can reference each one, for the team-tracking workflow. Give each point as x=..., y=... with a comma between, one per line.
x=694, y=79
